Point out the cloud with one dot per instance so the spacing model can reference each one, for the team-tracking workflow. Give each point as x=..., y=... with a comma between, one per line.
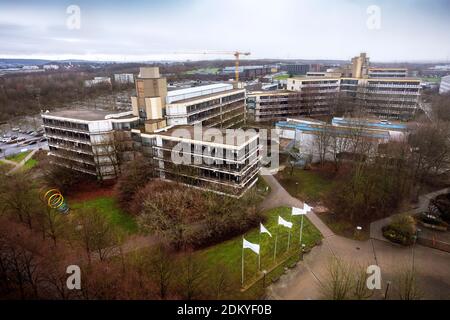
x=269, y=29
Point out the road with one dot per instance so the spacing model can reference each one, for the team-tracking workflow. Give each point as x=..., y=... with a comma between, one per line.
x=305, y=280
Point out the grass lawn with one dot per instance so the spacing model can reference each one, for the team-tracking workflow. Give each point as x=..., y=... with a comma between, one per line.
x=30, y=164
x=5, y=167
x=109, y=208
x=228, y=254
x=281, y=77
x=431, y=79
x=308, y=185
x=18, y=157
x=203, y=71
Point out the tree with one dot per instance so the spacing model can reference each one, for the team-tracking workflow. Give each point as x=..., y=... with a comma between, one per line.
x=95, y=233
x=18, y=199
x=161, y=265
x=338, y=284
x=407, y=285
x=322, y=142
x=191, y=277
x=134, y=175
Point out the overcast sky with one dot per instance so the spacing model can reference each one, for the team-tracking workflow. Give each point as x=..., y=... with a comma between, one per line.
x=129, y=30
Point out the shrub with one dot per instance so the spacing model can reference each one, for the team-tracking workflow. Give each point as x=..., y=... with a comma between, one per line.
x=401, y=230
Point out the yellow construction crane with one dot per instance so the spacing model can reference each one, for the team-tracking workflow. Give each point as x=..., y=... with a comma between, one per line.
x=236, y=54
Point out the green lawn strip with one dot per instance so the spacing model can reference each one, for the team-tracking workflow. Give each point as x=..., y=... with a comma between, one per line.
x=308, y=185
x=109, y=208
x=203, y=70
x=281, y=77
x=30, y=163
x=228, y=254
x=431, y=79
x=18, y=157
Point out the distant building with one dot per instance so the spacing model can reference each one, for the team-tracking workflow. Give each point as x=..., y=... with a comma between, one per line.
x=30, y=67
x=296, y=69
x=247, y=72
x=444, y=87
x=97, y=81
x=51, y=67
x=123, y=78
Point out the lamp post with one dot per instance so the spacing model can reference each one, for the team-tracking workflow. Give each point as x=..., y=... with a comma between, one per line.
x=388, y=283
x=264, y=278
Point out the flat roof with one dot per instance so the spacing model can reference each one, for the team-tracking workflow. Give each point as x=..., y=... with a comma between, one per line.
x=239, y=134
x=186, y=93
x=85, y=114
x=206, y=96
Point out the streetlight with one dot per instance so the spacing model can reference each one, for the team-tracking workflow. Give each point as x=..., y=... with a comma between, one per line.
x=264, y=278
x=388, y=283
x=302, y=251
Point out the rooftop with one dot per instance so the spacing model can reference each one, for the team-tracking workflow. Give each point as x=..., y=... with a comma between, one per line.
x=187, y=93
x=87, y=114
x=208, y=135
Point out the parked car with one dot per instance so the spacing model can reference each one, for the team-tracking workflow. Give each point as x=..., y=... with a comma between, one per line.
x=15, y=129
x=43, y=139
x=29, y=131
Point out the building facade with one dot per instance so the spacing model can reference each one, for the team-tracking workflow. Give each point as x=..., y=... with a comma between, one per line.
x=123, y=78
x=444, y=87
x=85, y=140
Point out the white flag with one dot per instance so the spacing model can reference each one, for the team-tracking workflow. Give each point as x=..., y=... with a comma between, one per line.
x=263, y=229
x=306, y=207
x=285, y=223
x=252, y=246
x=298, y=211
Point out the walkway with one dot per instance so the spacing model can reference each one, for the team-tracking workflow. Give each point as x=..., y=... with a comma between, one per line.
x=18, y=165
x=304, y=281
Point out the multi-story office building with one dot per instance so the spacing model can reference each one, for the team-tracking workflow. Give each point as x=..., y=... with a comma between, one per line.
x=97, y=81
x=87, y=140
x=388, y=73
x=296, y=69
x=248, y=72
x=230, y=166
x=444, y=87
x=215, y=105
x=384, y=92
x=84, y=140
x=123, y=78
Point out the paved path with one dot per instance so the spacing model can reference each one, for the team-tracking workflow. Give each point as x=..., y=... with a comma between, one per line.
x=304, y=281
x=19, y=165
x=279, y=197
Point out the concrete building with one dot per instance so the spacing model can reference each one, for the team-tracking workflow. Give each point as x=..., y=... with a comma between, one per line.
x=84, y=140
x=123, y=78
x=230, y=167
x=97, y=81
x=296, y=69
x=215, y=105
x=51, y=67
x=247, y=72
x=88, y=141
x=388, y=73
x=304, y=133
x=444, y=87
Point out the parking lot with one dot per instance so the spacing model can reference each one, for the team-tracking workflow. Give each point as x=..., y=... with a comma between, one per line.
x=16, y=140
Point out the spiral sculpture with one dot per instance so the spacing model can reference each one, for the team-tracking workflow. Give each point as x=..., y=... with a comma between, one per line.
x=55, y=200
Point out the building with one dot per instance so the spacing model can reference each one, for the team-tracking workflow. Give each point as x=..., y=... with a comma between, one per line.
x=444, y=87
x=247, y=72
x=216, y=105
x=123, y=78
x=230, y=167
x=97, y=81
x=51, y=67
x=388, y=73
x=296, y=69
x=96, y=142
x=304, y=132
x=84, y=140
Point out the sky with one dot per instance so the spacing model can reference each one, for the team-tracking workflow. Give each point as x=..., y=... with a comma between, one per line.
x=138, y=30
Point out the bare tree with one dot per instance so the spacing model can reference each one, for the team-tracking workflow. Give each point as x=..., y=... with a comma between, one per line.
x=191, y=279
x=163, y=269
x=322, y=142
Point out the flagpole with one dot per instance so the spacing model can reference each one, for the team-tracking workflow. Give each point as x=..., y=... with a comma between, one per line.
x=260, y=249
x=301, y=231
x=276, y=240
x=242, y=278
x=289, y=239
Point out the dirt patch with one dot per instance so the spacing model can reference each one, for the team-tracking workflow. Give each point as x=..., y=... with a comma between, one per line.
x=91, y=190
